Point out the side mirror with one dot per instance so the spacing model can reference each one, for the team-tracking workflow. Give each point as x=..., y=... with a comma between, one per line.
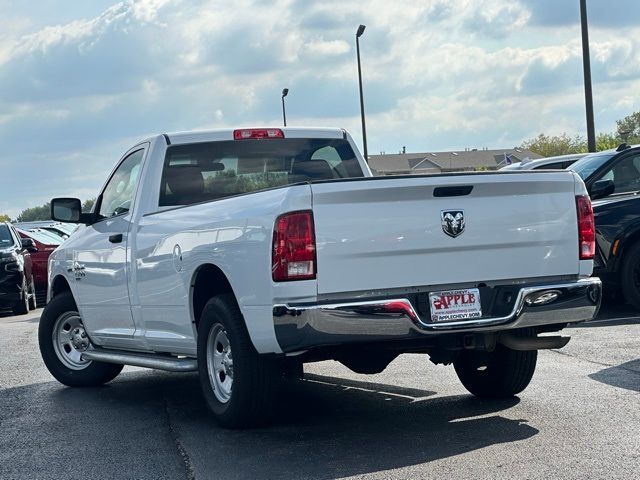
x=29, y=245
x=601, y=189
x=66, y=210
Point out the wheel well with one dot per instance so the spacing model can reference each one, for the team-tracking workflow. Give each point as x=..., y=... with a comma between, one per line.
x=208, y=282
x=59, y=286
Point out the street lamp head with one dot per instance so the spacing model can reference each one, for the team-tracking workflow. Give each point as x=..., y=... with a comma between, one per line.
x=285, y=92
x=360, y=31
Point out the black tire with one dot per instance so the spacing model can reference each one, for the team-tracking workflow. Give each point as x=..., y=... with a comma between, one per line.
x=91, y=375
x=501, y=373
x=630, y=275
x=255, y=378
x=22, y=306
x=293, y=369
x=33, y=303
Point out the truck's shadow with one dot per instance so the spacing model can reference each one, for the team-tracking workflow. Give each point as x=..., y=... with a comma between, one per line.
x=331, y=428
x=326, y=428
x=626, y=375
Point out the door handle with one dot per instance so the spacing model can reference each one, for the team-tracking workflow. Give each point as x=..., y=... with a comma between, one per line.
x=116, y=238
x=456, y=191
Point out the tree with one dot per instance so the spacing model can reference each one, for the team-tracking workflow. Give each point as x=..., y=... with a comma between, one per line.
x=88, y=205
x=629, y=128
x=34, y=214
x=549, y=146
x=552, y=146
x=43, y=212
x=605, y=141
x=4, y=218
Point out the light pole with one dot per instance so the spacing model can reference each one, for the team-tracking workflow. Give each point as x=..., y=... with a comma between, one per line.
x=364, y=128
x=285, y=92
x=586, y=63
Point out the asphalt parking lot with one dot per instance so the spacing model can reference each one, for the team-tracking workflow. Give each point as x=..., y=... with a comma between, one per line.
x=579, y=418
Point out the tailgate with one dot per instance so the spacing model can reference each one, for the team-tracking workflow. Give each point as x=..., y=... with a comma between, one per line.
x=389, y=232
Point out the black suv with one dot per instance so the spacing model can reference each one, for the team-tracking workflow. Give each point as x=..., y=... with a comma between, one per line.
x=612, y=178
x=16, y=281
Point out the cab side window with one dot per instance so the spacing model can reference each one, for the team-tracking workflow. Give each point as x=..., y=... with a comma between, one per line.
x=118, y=194
x=625, y=175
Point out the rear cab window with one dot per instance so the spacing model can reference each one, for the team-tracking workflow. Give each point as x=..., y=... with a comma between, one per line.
x=207, y=171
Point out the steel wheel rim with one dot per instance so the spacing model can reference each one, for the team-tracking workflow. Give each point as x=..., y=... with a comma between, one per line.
x=70, y=340
x=25, y=296
x=220, y=363
x=32, y=300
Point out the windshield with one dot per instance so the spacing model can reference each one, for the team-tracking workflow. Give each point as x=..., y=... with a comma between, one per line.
x=6, y=240
x=589, y=164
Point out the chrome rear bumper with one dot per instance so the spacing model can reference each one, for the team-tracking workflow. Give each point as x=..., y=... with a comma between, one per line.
x=303, y=326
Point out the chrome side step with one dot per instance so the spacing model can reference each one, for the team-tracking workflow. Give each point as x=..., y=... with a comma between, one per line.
x=147, y=360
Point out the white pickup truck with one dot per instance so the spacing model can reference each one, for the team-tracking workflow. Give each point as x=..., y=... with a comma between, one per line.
x=244, y=253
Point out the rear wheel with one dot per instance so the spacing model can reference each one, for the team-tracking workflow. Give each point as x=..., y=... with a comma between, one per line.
x=630, y=276
x=293, y=369
x=501, y=373
x=239, y=385
x=62, y=339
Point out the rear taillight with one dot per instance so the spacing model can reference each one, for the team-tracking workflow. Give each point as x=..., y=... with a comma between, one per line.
x=586, y=228
x=294, y=247
x=257, y=133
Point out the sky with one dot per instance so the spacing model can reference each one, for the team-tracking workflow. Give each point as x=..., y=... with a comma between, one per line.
x=81, y=82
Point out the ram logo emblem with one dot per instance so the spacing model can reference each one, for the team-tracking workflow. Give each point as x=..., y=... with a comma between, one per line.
x=452, y=222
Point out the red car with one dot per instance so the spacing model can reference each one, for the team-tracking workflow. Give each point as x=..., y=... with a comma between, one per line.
x=46, y=242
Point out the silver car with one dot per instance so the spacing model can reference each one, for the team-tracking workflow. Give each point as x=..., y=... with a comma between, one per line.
x=549, y=163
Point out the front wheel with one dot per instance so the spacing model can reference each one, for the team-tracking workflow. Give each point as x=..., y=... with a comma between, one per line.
x=62, y=339
x=238, y=384
x=22, y=306
x=501, y=373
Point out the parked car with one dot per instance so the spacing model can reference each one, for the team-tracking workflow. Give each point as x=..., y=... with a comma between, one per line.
x=244, y=253
x=60, y=229
x=613, y=180
x=17, y=289
x=612, y=172
x=53, y=238
x=560, y=162
x=46, y=242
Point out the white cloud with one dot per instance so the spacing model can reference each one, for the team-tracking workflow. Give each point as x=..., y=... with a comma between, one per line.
x=438, y=74
x=331, y=47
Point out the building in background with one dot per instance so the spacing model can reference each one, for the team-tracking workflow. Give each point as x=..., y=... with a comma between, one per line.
x=442, y=162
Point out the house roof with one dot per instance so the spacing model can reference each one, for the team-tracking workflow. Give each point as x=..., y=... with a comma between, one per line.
x=429, y=161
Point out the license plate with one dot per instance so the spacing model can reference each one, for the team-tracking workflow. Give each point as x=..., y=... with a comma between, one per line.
x=453, y=305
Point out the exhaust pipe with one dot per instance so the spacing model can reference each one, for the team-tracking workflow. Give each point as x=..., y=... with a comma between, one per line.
x=513, y=342
x=146, y=360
